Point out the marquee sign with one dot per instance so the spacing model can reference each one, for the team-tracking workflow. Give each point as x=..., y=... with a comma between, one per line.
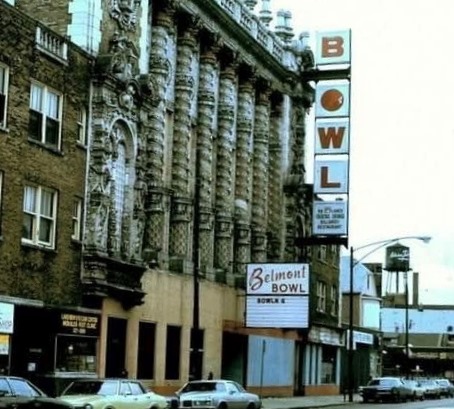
x=277, y=295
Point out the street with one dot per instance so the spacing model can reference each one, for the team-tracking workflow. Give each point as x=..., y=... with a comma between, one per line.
x=426, y=404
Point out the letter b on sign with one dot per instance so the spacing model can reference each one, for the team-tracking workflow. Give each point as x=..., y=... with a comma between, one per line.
x=333, y=48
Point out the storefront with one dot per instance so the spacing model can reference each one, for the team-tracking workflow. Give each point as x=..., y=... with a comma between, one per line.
x=52, y=346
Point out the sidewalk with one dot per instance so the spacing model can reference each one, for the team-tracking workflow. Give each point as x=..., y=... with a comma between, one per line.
x=308, y=401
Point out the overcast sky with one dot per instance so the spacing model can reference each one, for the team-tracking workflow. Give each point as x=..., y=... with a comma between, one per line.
x=402, y=126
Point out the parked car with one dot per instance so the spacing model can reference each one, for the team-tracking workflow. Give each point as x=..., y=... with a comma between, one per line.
x=217, y=394
x=417, y=390
x=111, y=393
x=432, y=389
x=16, y=392
x=447, y=388
x=386, y=388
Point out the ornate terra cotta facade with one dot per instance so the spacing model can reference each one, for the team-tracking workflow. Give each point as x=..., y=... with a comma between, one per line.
x=195, y=168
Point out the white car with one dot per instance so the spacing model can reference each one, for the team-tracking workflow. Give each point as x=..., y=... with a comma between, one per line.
x=112, y=394
x=217, y=394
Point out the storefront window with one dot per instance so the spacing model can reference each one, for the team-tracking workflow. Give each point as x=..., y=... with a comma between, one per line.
x=328, y=364
x=76, y=354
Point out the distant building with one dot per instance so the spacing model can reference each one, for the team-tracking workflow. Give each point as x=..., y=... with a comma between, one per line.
x=430, y=335
x=366, y=300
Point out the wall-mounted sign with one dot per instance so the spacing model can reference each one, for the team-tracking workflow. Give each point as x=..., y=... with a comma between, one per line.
x=333, y=47
x=330, y=218
x=277, y=295
x=6, y=318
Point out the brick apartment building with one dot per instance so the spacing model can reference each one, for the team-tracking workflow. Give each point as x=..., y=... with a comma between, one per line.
x=192, y=166
x=44, y=97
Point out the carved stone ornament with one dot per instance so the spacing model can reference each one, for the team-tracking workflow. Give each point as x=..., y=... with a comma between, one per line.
x=123, y=64
x=124, y=12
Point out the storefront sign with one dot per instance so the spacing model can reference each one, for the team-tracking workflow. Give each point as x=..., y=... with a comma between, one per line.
x=80, y=324
x=333, y=47
x=324, y=336
x=6, y=318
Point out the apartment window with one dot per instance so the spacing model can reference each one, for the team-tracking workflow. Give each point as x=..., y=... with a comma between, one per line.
x=77, y=219
x=82, y=126
x=40, y=212
x=321, y=296
x=333, y=300
x=3, y=94
x=45, y=115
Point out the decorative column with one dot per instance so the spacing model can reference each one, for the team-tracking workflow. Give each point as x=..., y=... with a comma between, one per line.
x=296, y=200
x=224, y=177
x=260, y=174
x=181, y=213
x=155, y=243
x=207, y=95
x=243, y=176
x=275, y=183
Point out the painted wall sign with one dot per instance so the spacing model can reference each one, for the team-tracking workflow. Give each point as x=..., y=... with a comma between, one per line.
x=81, y=324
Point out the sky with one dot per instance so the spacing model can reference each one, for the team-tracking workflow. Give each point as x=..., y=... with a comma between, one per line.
x=402, y=126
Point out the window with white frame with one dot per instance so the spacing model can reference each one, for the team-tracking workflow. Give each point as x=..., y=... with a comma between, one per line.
x=82, y=126
x=321, y=296
x=45, y=115
x=40, y=214
x=77, y=220
x=3, y=94
x=333, y=300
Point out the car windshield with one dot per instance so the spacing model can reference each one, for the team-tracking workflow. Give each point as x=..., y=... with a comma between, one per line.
x=92, y=388
x=382, y=382
x=203, y=387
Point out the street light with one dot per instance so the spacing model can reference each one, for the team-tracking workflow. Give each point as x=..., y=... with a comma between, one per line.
x=377, y=245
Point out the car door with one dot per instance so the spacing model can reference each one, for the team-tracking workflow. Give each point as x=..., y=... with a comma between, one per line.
x=140, y=398
x=235, y=398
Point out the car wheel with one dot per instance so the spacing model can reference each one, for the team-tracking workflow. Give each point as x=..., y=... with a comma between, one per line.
x=222, y=405
x=251, y=406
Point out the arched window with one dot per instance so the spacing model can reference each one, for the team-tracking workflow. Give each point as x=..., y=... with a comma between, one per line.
x=121, y=172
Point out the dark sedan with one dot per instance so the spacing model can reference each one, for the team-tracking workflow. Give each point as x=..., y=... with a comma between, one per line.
x=386, y=388
x=20, y=393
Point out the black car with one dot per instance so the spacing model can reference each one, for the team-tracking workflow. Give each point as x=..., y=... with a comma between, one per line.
x=16, y=392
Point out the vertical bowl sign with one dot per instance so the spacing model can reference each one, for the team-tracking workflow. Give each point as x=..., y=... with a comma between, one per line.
x=277, y=295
